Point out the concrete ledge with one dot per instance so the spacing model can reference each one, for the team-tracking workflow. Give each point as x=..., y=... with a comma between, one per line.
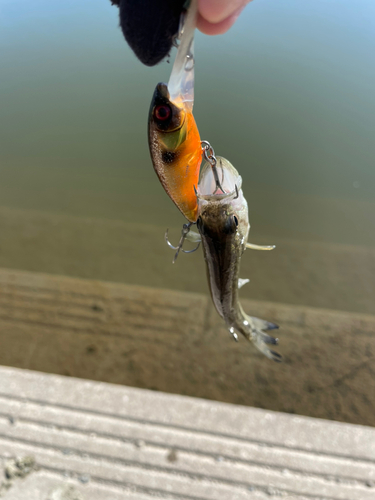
x=95, y=440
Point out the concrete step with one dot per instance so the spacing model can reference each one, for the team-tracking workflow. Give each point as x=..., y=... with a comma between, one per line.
x=175, y=342
x=91, y=440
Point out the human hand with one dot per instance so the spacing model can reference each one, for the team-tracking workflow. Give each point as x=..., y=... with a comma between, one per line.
x=217, y=16
x=150, y=26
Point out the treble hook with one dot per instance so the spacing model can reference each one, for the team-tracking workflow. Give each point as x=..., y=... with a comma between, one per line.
x=184, y=233
x=209, y=154
x=228, y=194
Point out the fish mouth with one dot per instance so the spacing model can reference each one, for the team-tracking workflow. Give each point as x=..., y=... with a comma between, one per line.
x=221, y=196
x=229, y=186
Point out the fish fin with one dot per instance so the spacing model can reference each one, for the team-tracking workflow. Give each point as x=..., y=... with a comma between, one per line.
x=260, y=344
x=260, y=247
x=267, y=339
x=193, y=237
x=262, y=324
x=254, y=326
x=242, y=282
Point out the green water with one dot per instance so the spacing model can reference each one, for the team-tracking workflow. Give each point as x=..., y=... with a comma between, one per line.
x=287, y=95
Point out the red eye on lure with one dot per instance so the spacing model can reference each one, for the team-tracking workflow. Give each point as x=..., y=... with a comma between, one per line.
x=162, y=112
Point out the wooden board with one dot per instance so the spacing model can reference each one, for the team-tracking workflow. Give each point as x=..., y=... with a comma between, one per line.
x=175, y=342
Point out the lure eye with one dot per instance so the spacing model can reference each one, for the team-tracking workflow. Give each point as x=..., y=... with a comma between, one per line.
x=162, y=112
x=235, y=220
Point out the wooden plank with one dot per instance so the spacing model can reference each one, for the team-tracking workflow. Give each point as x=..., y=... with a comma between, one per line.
x=175, y=342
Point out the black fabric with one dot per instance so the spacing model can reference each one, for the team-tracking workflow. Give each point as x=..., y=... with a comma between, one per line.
x=149, y=26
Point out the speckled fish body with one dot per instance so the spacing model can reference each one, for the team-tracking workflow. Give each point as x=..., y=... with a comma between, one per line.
x=223, y=225
x=173, y=136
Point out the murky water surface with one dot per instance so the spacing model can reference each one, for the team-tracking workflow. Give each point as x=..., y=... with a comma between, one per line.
x=287, y=95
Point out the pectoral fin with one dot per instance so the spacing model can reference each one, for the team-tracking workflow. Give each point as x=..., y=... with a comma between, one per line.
x=260, y=247
x=242, y=282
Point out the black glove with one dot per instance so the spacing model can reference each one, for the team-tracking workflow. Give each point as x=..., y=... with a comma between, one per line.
x=149, y=26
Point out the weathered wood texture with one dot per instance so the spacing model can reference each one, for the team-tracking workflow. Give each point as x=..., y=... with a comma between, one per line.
x=175, y=342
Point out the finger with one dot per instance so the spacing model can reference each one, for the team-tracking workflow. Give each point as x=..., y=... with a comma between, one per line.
x=217, y=28
x=216, y=11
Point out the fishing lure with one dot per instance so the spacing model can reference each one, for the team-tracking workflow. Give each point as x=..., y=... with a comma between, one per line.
x=216, y=204
x=223, y=225
x=173, y=136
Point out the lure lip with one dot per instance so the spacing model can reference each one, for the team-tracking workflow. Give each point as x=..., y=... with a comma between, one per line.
x=181, y=80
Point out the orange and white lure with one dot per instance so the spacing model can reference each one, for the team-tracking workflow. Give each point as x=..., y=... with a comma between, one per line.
x=173, y=136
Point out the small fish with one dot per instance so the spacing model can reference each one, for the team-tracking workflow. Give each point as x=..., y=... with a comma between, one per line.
x=173, y=136
x=223, y=225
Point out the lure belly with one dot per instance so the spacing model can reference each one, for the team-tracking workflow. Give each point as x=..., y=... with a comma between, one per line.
x=176, y=152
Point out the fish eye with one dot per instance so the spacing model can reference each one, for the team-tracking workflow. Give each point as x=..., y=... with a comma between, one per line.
x=162, y=112
x=200, y=225
x=231, y=224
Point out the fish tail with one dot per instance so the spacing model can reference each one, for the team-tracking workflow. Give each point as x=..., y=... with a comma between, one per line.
x=252, y=328
x=262, y=324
